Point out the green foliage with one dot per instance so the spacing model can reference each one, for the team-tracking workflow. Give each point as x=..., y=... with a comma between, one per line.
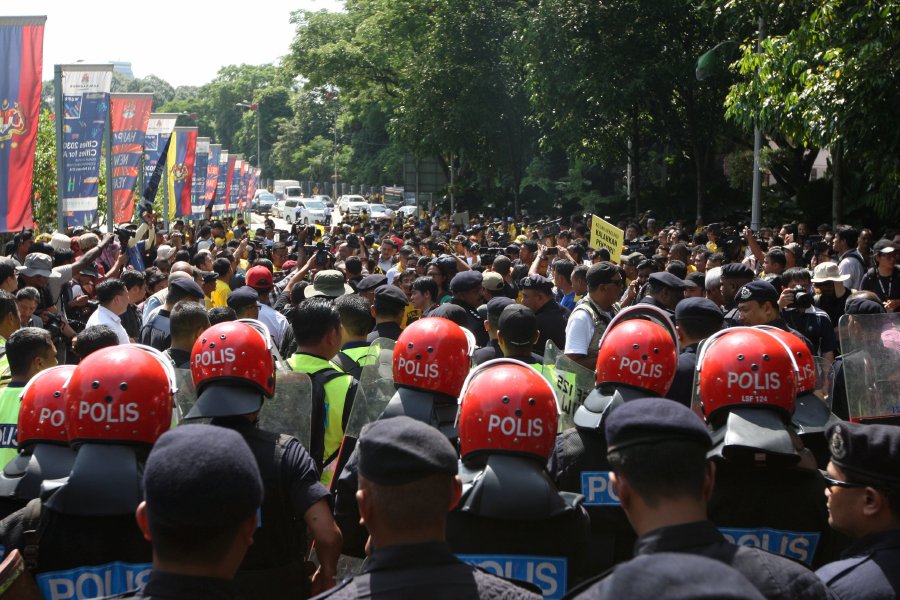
x=44, y=198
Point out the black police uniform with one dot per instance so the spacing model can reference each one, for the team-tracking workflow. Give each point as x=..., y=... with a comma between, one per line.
x=654, y=302
x=870, y=568
x=427, y=570
x=815, y=326
x=181, y=359
x=682, y=386
x=273, y=565
x=171, y=586
x=156, y=333
x=551, y=322
x=388, y=330
x=474, y=322
x=489, y=352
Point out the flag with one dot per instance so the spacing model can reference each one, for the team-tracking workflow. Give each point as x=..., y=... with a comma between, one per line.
x=212, y=173
x=156, y=144
x=180, y=166
x=229, y=180
x=198, y=187
x=21, y=61
x=129, y=115
x=82, y=113
x=222, y=184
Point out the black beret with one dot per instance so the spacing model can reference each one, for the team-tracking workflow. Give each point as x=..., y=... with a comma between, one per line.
x=188, y=286
x=651, y=420
x=696, y=279
x=242, y=297
x=370, y=282
x=668, y=280
x=496, y=305
x=202, y=476
x=401, y=450
x=737, y=271
x=673, y=576
x=759, y=290
x=601, y=272
x=518, y=325
x=866, y=453
x=536, y=282
x=466, y=281
x=390, y=294
x=698, y=309
x=451, y=312
x=863, y=306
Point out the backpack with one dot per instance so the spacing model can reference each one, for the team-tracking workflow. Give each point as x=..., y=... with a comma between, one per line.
x=348, y=365
x=317, y=444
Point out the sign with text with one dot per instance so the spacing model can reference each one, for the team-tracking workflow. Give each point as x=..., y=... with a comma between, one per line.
x=129, y=115
x=607, y=235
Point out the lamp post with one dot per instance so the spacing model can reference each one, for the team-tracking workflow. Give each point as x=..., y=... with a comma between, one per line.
x=255, y=108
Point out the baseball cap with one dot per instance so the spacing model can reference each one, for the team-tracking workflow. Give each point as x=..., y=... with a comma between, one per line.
x=260, y=278
x=518, y=325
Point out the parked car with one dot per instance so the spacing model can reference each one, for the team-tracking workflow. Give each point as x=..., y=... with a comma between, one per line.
x=380, y=212
x=352, y=204
x=407, y=211
x=263, y=202
x=326, y=200
x=279, y=207
x=305, y=211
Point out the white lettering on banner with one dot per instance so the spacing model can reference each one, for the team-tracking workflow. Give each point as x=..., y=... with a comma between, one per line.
x=92, y=582
x=109, y=413
x=642, y=368
x=417, y=369
x=56, y=417
x=754, y=381
x=509, y=426
x=792, y=544
x=214, y=357
x=547, y=572
x=597, y=489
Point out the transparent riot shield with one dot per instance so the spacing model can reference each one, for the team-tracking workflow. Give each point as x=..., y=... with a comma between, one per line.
x=288, y=411
x=871, y=355
x=571, y=382
x=376, y=386
x=823, y=380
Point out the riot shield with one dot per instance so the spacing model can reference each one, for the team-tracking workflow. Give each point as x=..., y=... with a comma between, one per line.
x=376, y=386
x=288, y=411
x=871, y=354
x=571, y=382
x=823, y=380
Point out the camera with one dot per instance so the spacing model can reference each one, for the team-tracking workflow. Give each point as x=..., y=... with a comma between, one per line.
x=123, y=232
x=802, y=298
x=551, y=251
x=321, y=255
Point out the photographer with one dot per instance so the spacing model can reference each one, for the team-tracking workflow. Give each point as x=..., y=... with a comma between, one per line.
x=133, y=243
x=798, y=311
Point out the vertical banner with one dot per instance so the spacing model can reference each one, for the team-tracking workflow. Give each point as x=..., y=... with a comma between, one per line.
x=198, y=186
x=245, y=183
x=222, y=184
x=236, y=184
x=180, y=168
x=156, y=143
x=129, y=115
x=82, y=96
x=254, y=183
x=21, y=61
x=229, y=180
x=212, y=174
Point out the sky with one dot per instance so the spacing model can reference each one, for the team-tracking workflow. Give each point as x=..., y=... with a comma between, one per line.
x=97, y=31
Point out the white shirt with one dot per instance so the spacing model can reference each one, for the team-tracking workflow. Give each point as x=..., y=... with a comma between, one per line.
x=274, y=321
x=579, y=331
x=853, y=267
x=104, y=316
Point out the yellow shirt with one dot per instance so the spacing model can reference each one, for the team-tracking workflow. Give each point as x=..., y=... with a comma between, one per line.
x=220, y=295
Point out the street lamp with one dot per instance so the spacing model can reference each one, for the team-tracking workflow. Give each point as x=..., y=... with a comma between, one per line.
x=255, y=108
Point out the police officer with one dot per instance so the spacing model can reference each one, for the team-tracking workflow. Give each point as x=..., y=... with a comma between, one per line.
x=44, y=451
x=516, y=334
x=368, y=284
x=244, y=302
x=637, y=359
x=695, y=320
x=758, y=305
x=388, y=309
x=733, y=276
x=466, y=288
x=494, y=308
x=537, y=294
x=202, y=491
x=407, y=483
x=657, y=449
x=510, y=513
x=233, y=371
x=768, y=489
x=430, y=363
x=665, y=291
x=86, y=542
x=863, y=488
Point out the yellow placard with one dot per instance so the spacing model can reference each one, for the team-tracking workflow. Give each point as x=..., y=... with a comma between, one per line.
x=606, y=235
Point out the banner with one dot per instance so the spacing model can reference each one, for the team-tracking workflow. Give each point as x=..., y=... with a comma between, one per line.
x=198, y=186
x=212, y=173
x=237, y=185
x=245, y=183
x=606, y=235
x=82, y=93
x=254, y=184
x=221, y=198
x=156, y=143
x=21, y=61
x=180, y=166
x=129, y=115
x=229, y=181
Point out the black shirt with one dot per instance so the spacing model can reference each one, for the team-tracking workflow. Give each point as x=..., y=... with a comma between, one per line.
x=157, y=333
x=474, y=323
x=551, y=322
x=180, y=358
x=170, y=586
x=489, y=352
x=682, y=386
x=387, y=329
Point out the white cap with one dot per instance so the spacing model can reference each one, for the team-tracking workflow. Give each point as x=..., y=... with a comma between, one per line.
x=165, y=252
x=60, y=241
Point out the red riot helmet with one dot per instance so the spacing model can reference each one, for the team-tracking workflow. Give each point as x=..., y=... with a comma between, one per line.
x=745, y=366
x=507, y=407
x=42, y=411
x=237, y=357
x=120, y=394
x=806, y=364
x=433, y=354
x=639, y=349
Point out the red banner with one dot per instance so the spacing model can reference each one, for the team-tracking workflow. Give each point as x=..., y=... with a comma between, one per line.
x=129, y=115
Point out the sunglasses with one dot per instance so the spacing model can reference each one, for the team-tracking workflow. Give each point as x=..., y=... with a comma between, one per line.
x=830, y=482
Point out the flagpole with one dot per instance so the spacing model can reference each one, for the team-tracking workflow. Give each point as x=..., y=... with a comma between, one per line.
x=60, y=184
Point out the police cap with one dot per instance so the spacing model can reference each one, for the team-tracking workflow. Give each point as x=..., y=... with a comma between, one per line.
x=466, y=281
x=188, y=286
x=867, y=453
x=242, y=297
x=370, y=282
x=759, y=290
x=390, y=295
x=652, y=420
x=698, y=309
x=518, y=325
x=737, y=271
x=536, y=282
x=201, y=476
x=863, y=306
x=401, y=450
x=668, y=280
x=451, y=312
x=496, y=305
